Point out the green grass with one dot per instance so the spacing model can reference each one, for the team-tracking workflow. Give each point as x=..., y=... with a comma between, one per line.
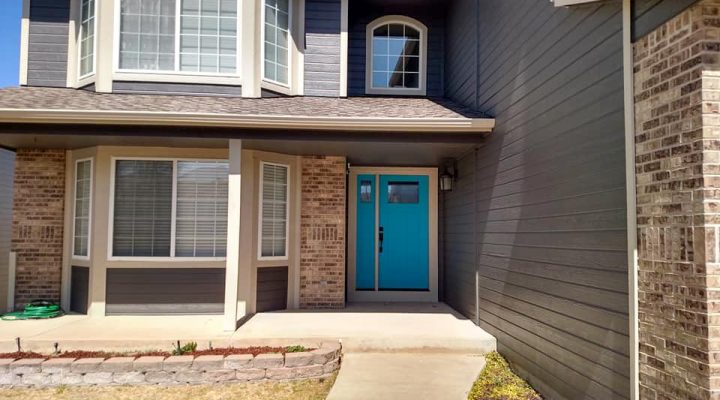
x=498, y=382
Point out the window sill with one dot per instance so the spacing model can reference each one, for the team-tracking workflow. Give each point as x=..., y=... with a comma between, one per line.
x=168, y=259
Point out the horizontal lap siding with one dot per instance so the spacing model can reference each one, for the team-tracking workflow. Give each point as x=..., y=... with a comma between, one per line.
x=7, y=161
x=272, y=289
x=177, y=88
x=363, y=13
x=48, y=43
x=165, y=290
x=322, y=48
x=549, y=198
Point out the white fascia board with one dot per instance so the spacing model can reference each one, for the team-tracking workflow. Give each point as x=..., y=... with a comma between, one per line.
x=565, y=3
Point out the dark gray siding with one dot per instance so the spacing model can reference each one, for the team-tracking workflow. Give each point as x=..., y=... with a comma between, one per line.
x=7, y=168
x=176, y=88
x=322, y=48
x=649, y=14
x=48, y=43
x=79, y=289
x=165, y=291
x=360, y=14
x=547, y=193
x=272, y=289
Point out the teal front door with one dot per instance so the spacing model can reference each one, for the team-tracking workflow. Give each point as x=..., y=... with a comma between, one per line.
x=392, y=233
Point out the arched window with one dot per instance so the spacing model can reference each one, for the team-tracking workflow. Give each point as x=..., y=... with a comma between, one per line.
x=396, y=56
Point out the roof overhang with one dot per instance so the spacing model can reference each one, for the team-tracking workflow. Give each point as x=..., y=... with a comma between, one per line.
x=287, y=122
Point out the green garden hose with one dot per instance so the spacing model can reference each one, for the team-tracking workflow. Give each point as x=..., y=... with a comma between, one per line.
x=39, y=309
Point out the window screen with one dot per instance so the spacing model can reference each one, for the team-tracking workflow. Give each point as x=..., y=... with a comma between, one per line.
x=274, y=205
x=201, y=211
x=83, y=182
x=277, y=27
x=87, y=37
x=143, y=208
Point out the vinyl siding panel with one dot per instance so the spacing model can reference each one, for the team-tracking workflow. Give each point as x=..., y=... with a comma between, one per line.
x=176, y=88
x=7, y=168
x=48, y=43
x=361, y=14
x=272, y=289
x=544, y=197
x=322, y=48
x=650, y=14
x=165, y=291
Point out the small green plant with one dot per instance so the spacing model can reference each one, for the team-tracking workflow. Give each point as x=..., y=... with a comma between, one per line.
x=498, y=382
x=184, y=349
x=295, y=349
x=61, y=389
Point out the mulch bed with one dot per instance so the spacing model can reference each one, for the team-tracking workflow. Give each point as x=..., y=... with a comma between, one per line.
x=224, y=351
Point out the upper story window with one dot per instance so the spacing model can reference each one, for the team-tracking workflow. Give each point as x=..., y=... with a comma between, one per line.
x=396, y=56
x=87, y=38
x=276, y=33
x=188, y=36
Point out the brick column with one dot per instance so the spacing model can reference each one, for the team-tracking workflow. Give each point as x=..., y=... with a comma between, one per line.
x=677, y=100
x=322, y=236
x=37, y=230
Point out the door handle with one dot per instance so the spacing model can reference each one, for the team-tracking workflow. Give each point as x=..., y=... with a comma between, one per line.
x=381, y=236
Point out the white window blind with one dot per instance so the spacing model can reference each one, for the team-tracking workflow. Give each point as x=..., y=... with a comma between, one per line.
x=276, y=33
x=87, y=37
x=274, y=210
x=179, y=35
x=143, y=208
x=81, y=230
x=201, y=211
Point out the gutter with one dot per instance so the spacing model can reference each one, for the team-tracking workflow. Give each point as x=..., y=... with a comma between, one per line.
x=289, y=122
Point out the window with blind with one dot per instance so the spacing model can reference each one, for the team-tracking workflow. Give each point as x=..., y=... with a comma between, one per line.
x=179, y=35
x=273, y=210
x=81, y=222
x=170, y=208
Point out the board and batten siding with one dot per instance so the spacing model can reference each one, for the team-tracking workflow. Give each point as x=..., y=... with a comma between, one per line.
x=48, y=43
x=539, y=212
x=361, y=14
x=7, y=168
x=322, y=48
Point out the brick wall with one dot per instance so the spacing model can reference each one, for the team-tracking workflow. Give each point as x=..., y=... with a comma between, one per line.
x=322, y=237
x=37, y=230
x=677, y=100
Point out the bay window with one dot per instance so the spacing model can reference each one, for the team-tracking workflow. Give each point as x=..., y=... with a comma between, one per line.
x=87, y=38
x=273, y=213
x=276, y=41
x=189, y=36
x=83, y=200
x=170, y=208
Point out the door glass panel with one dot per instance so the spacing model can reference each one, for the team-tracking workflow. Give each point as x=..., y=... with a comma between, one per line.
x=403, y=192
x=366, y=191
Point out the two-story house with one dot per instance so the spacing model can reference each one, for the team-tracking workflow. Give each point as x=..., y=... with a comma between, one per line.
x=547, y=169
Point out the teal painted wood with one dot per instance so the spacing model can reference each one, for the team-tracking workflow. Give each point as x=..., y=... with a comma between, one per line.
x=366, y=234
x=404, y=259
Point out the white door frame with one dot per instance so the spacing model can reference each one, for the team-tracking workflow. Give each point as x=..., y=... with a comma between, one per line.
x=388, y=295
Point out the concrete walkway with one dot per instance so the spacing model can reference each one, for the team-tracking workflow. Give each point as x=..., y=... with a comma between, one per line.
x=414, y=376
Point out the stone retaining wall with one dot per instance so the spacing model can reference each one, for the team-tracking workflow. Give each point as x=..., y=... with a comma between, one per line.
x=171, y=370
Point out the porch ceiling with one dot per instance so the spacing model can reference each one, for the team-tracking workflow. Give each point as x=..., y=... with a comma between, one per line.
x=320, y=114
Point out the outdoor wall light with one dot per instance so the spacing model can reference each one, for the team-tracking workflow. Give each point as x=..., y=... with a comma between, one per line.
x=447, y=177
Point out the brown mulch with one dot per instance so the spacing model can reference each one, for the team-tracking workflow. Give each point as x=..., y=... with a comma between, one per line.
x=224, y=351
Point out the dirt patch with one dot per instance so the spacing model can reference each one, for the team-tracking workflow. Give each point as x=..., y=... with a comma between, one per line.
x=22, y=354
x=228, y=351
x=223, y=351
x=106, y=355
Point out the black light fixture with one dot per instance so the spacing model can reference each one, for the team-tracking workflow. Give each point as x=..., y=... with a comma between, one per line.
x=448, y=175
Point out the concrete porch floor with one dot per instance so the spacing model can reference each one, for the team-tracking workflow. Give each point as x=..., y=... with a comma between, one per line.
x=365, y=327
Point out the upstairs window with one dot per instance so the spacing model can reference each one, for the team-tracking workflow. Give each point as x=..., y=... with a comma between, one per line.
x=396, y=56
x=276, y=42
x=188, y=36
x=87, y=38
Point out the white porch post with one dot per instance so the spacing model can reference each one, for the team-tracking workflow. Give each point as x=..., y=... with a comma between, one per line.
x=232, y=268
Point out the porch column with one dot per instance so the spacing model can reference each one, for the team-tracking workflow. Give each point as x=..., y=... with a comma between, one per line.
x=232, y=268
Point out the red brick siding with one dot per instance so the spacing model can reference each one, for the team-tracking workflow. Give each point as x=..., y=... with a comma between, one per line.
x=677, y=167
x=37, y=231
x=322, y=237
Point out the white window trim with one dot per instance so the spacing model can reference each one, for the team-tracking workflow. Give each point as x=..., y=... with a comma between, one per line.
x=111, y=213
x=143, y=75
x=290, y=49
x=90, y=208
x=399, y=19
x=82, y=77
x=260, y=257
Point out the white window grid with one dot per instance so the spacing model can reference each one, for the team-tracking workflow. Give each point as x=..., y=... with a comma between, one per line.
x=383, y=56
x=87, y=38
x=276, y=41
